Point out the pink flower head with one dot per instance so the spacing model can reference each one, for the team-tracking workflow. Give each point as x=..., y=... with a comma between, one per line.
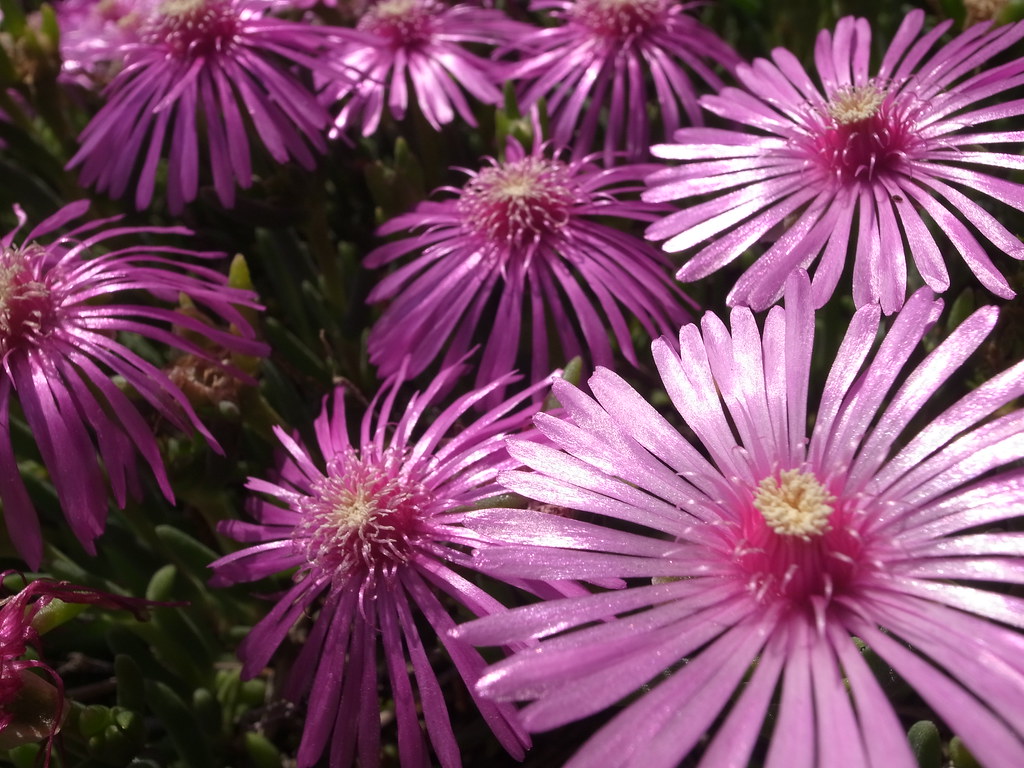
x=524, y=237
x=769, y=547
x=61, y=306
x=890, y=152
x=220, y=64
x=606, y=55
x=93, y=34
x=19, y=632
x=418, y=42
x=373, y=536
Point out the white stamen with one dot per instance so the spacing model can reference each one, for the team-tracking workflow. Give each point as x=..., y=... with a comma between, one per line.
x=851, y=104
x=795, y=504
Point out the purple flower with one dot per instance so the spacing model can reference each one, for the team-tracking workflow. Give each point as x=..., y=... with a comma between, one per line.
x=93, y=34
x=770, y=548
x=18, y=686
x=61, y=306
x=525, y=238
x=374, y=536
x=31, y=708
x=606, y=55
x=217, y=64
x=418, y=42
x=890, y=152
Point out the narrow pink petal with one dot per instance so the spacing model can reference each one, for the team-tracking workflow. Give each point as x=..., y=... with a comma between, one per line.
x=988, y=738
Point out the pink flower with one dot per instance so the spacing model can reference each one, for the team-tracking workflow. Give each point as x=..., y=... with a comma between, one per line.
x=375, y=535
x=770, y=546
x=525, y=237
x=222, y=65
x=607, y=55
x=418, y=42
x=93, y=34
x=61, y=306
x=21, y=692
x=889, y=152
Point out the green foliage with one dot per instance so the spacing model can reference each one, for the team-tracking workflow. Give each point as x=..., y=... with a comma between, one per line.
x=925, y=743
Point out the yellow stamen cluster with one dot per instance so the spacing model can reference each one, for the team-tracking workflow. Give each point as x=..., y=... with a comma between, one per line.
x=794, y=504
x=852, y=104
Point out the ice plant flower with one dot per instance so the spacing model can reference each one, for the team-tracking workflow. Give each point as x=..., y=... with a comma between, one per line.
x=526, y=235
x=94, y=32
x=221, y=66
x=616, y=55
x=32, y=709
x=375, y=537
x=770, y=546
x=61, y=306
x=890, y=151
x=422, y=43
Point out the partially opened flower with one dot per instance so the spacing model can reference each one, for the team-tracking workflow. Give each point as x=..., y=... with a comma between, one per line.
x=896, y=153
x=375, y=537
x=529, y=239
x=613, y=56
x=61, y=306
x=221, y=67
x=422, y=44
x=769, y=547
x=32, y=706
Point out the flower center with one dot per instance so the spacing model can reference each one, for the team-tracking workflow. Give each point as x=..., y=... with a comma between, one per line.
x=519, y=202
x=619, y=19
x=799, y=544
x=864, y=133
x=193, y=28
x=27, y=311
x=795, y=504
x=360, y=519
x=853, y=104
x=402, y=22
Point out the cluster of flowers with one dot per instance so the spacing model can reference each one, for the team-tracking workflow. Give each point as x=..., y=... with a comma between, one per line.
x=752, y=560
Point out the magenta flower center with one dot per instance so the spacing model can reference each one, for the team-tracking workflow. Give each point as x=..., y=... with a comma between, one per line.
x=619, y=19
x=360, y=519
x=27, y=307
x=402, y=22
x=864, y=135
x=520, y=202
x=799, y=543
x=194, y=28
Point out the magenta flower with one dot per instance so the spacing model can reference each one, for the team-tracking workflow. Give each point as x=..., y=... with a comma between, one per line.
x=17, y=636
x=222, y=65
x=61, y=306
x=93, y=34
x=526, y=236
x=890, y=152
x=32, y=709
x=601, y=58
x=770, y=549
x=418, y=42
x=374, y=536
